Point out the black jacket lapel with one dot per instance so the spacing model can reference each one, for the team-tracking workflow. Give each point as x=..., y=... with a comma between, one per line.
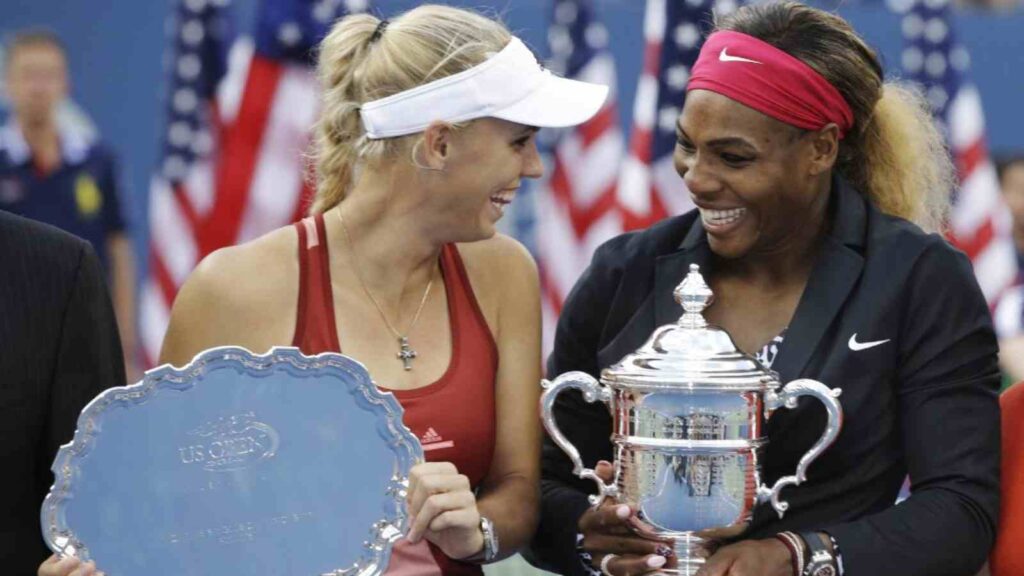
x=659, y=307
x=835, y=273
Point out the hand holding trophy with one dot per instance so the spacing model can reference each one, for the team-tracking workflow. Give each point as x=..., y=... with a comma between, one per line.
x=442, y=510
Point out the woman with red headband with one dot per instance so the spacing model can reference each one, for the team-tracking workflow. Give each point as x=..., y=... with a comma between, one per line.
x=819, y=191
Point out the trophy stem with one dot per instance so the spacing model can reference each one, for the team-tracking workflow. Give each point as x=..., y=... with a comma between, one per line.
x=691, y=553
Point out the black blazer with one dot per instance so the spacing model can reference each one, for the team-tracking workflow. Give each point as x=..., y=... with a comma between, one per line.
x=923, y=403
x=59, y=347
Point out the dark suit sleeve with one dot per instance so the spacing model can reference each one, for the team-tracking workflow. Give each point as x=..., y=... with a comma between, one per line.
x=586, y=425
x=89, y=358
x=949, y=422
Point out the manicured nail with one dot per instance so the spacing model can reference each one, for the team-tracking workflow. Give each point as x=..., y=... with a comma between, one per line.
x=664, y=550
x=622, y=512
x=656, y=561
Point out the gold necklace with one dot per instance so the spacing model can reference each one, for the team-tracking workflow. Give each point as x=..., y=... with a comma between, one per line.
x=405, y=353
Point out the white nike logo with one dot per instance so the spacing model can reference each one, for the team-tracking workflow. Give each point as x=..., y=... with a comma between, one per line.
x=858, y=346
x=724, y=57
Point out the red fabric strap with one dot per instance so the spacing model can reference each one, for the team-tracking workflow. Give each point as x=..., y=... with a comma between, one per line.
x=771, y=81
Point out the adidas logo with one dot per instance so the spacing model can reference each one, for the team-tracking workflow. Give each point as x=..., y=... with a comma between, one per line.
x=431, y=436
x=431, y=440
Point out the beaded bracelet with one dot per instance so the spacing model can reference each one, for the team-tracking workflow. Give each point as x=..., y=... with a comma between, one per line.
x=586, y=560
x=796, y=548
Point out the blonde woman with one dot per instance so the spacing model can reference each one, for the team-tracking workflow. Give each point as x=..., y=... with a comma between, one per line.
x=426, y=132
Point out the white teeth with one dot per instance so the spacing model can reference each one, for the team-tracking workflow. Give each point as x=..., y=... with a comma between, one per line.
x=721, y=217
x=501, y=200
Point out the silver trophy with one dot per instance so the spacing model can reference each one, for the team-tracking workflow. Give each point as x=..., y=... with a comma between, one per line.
x=688, y=413
x=239, y=464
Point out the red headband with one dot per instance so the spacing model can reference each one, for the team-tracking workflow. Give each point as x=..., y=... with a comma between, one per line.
x=761, y=76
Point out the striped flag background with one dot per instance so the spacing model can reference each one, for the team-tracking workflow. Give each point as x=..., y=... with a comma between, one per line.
x=596, y=187
x=980, y=221
x=649, y=187
x=576, y=201
x=240, y=112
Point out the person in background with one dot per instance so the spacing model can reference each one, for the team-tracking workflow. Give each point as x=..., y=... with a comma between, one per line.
x=1009, y=311
x=820, y=191
x=55, y=174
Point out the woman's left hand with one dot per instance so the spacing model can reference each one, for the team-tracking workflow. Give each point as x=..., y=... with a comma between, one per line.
x=768, y=557
x=442, y=509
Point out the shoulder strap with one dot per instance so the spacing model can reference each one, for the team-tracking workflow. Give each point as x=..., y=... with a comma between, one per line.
x=315, y=330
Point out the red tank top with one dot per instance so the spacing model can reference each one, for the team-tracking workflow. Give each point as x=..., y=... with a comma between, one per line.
x=464, y=437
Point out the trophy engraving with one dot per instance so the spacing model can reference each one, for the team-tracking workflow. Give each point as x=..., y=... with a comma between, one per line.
x=241, y=531
x=688, y=413
x=231, y=443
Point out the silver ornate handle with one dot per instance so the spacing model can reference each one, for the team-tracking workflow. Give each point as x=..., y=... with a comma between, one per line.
x=787, y=398
x=592, y=391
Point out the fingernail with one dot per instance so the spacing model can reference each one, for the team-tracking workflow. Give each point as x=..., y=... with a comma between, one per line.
x=622, y=512
x=656, y=561
x=664, y=550
x=599, y=462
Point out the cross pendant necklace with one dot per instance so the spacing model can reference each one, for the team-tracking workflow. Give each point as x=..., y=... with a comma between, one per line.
x=406, y=354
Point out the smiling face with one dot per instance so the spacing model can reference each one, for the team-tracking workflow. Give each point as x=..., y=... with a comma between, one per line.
x=756, y=181
x=486, y=165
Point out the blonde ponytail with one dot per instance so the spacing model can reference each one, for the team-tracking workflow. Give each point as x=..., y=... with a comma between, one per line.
x=338, y=128
x=908, y=166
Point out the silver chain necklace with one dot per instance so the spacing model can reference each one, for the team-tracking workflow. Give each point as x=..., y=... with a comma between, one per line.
x=405, y=353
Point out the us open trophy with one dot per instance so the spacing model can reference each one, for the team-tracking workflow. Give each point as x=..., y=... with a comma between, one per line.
x=688, y=413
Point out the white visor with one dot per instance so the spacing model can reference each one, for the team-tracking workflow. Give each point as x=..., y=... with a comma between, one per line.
x=510, y=85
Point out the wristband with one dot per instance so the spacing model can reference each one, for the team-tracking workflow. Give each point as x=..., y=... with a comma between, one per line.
x=797, y=550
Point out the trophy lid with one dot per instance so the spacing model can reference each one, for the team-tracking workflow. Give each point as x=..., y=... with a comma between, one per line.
x=690, y=353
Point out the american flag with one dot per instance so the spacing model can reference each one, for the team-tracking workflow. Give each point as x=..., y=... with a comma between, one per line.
x=649, y=187
x=239, y=115
x=596, y=189
x=575, y=203
x=979, y=221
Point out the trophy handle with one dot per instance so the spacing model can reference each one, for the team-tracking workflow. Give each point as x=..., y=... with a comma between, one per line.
x=787, y=398
x=592, y=390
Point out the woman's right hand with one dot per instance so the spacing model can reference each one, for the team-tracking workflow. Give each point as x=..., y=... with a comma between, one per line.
x=67, y=567
x=606, y=533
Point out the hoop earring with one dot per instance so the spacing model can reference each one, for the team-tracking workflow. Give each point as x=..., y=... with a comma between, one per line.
x=417, y=164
